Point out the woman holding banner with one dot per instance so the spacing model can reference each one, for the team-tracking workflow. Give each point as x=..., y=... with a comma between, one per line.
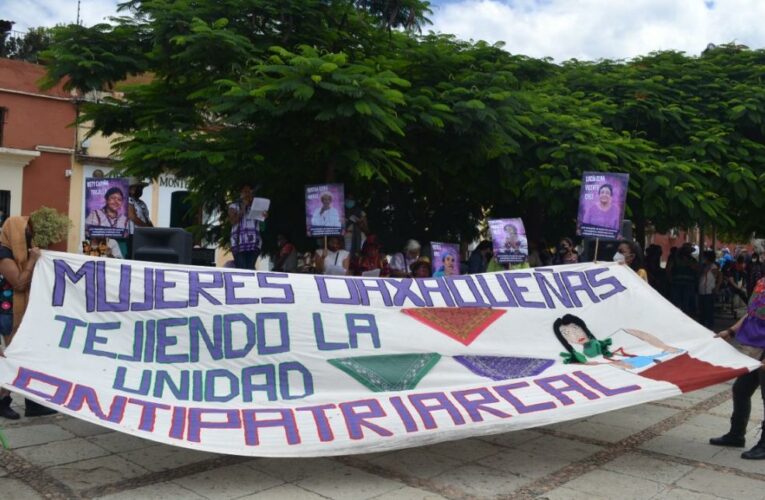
x=17, y=262
x=749, y=334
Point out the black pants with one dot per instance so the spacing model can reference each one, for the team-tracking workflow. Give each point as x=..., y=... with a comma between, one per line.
x=743, y=390
x=707, y=310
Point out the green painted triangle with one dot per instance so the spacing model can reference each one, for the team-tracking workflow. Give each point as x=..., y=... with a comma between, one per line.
x=392, y=372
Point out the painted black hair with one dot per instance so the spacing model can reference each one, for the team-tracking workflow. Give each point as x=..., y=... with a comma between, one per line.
x=570, y=319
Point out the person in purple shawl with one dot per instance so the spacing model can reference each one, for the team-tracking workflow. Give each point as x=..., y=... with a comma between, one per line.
x=749, y=332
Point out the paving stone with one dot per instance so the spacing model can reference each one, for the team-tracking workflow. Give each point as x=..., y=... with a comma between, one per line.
x=675, y=493
x=3, y=472
x=682, y=446
x=295, y=469
x=710, y=423
x=228, y=482
x=524, y=463
x=159, y=491
x=350, y=483
x=284, y=492
x=18, y=490
x=600, y=431
x=511, y=439
x=615, y=485
x=464, y=450
x=561, y=448
x=30, y=435
x=634, y=464
x=80, y=427
x=408, y=493
x=119, y=442
x=569, y=494
x=96, y=472
x=731, y=457
x=722, y=485
x=61, y=452
x=481, y=482
x=635, y=417
x=163, y=457
x=416, y=462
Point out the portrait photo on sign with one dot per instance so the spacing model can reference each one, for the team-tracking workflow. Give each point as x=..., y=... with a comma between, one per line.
x=446, y=259
x=508, y=238
x=106, y=206
x=601, y=204
x=324, y=209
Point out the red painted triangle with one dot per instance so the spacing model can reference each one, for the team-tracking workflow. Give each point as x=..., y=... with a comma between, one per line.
x=463, y=324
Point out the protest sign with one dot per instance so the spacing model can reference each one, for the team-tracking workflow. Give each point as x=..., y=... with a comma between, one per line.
x=324, y=209
x=106, y=205
x=277, y=364
x=601, y=204
x=508, y=238
x=446, y=259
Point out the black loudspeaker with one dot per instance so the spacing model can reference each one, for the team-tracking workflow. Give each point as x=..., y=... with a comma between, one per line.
x=162, y=244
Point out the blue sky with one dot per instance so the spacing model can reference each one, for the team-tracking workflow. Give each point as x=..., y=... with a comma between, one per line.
x=560, y=29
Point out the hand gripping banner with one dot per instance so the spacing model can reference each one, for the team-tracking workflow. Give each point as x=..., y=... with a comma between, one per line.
x=274, y=364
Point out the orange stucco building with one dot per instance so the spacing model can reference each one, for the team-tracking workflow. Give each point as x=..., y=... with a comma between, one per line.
x=37, y=140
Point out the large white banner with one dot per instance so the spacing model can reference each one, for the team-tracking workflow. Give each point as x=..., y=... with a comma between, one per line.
x=274, y=364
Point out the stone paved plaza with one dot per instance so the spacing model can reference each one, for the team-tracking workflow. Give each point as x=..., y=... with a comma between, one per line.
x=656, y=450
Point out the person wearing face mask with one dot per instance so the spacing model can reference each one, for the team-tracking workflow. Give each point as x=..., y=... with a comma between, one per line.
x=565, y=253
x=630, y=254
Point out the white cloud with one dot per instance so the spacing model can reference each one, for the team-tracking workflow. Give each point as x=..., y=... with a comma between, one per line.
x=561, y=29
x=594, y=29
x=32, y=13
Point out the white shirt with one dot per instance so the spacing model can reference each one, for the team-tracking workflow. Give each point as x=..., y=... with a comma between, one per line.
x=329, y=218
x=333, y=262
x=401, y=262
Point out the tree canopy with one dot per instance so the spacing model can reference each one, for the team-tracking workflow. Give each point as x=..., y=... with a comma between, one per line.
x=430, y=132
x=24, y=46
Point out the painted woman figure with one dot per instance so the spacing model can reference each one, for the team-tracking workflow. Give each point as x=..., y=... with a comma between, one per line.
x=666, y=364
x=572, y=331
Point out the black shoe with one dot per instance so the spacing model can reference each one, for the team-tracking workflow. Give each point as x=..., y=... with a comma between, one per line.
x=33, y=409
x=756, y=453
x=728, y=440
x=6, y=411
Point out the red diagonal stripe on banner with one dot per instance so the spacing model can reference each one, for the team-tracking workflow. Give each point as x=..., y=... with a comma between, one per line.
x=462, y=324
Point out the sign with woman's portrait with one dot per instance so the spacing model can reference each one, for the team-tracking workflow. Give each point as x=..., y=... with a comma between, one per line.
x=106, y=206
x=446, y=260
x=601, y=204
x=324, y=209
x=508, y=238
